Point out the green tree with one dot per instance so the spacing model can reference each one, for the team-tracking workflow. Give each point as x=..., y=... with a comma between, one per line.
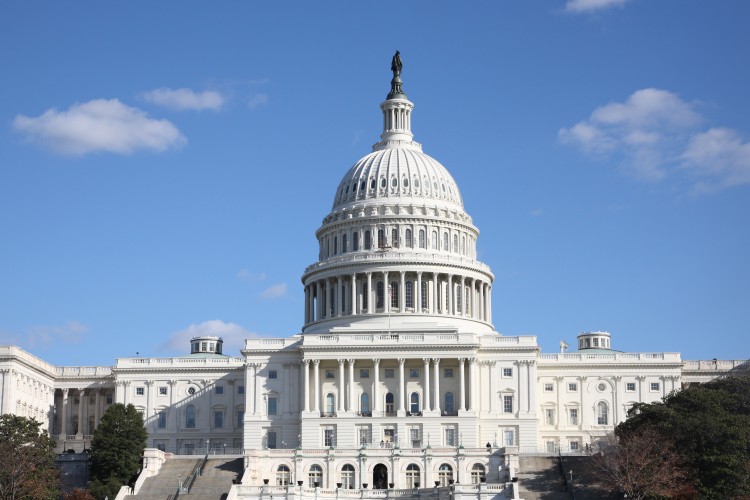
x=710, y=426
x=117, y=450
x=27, y=460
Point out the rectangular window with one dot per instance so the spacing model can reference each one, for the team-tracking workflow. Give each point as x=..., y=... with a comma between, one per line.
x=162, y=391
x=450, y=436
x=364, y=435
x=389, y=373
x=414, y=434
x=413, y=372
x=448, y=373
x=272, y=406
x=630, y=386
x=549, y=387
x=364, y=373
x=240, y=389
x=161, y=447
x=162, y=423
x=507, y=372
x=330, y=374
x=574, y=416
x=573, y=387
x=271, y=440
x=549, y=415
x=329, y=437
x=109, y=400
x=508, y=404
x=273, y=374
x=575, y=445
x=655, y=386
x=139, y=391
x=218, y=419
x=509, y=437
x=240, y=419
x=219, y=389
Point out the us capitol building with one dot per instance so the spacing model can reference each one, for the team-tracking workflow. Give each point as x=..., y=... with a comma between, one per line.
x=398, y=375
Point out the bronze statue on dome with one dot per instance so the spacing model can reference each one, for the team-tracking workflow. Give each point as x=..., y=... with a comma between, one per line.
x=396, y=64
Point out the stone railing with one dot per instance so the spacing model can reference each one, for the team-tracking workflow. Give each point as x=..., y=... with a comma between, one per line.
x=415, y=256
x=623, y=357
x=713, y=365
x=83, y=371
x=192, y=362
x=28, y=358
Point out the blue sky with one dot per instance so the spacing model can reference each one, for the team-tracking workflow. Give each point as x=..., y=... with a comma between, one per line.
x=164, y=165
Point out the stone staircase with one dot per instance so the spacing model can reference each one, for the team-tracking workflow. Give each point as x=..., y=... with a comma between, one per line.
x=160, y=486
x=539, y=478
x=216, y=480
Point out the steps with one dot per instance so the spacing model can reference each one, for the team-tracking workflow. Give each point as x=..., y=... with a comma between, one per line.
x=216, y=480
x=165, y=482
x=539, y=478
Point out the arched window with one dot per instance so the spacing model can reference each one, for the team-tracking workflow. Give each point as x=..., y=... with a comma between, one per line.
x=347, y=477
x=434, y=240
x=190, y=417
x=424, y=295
x=330, y=403
x=602, y=413
x=365, y=296
x=409, y=294
x=380, y=292
x=372, y=183
x=412, y=476
x=389, y=403
x=335, y=245
x=477, y=474
x=355, y=241
x=414, y=403
x=394, y=237
x=445, y=474
x=445, y=242
x=450, y=402
x=459, y=309
x=463, y=245
x=455, y=243
x=422, y=242
x=381, y=238
x=368, y=240
x=394, y=294
x=409, y=243
x=315, y=476
x=344, y=247
x=283, y=476
x=364, y=403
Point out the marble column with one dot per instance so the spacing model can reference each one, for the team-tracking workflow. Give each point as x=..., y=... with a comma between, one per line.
x=354, y=295
x=402, y=297
x=316, y=389
x=436, y=372
x=427, y=406
x=462, y=385
x=369, y=292
x=352, y=402
x=401, y=385
x=341, y=391
x=376, y=386
x=306, y=387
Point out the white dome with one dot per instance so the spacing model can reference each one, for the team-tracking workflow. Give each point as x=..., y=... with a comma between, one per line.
x=399, y=175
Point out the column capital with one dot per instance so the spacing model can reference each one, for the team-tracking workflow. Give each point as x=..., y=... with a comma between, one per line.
x=436, y=361
x=368, y=273
x=401, y=361
x=426, y=361
x=341, y=362
x=350, y=361
x=316, y=361
x=306, y=362
x=376, y=361
x=461, y=361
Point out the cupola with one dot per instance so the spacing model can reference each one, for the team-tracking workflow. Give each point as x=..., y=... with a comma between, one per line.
x=207, y=344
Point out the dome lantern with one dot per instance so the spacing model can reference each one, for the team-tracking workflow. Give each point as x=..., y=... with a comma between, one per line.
x=396, y=113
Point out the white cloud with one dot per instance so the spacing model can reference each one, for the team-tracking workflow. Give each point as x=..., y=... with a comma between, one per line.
x=257, y=100
x=274, y=292
x=45, y=337
x=592, y=5
x=250, y=277
x=537, y=212
x=656, y=135
x=99, y=125
x=232, y=334
x=184, y=99
x=719, y=158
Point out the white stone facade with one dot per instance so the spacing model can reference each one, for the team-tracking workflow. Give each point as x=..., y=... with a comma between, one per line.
x=397, y=376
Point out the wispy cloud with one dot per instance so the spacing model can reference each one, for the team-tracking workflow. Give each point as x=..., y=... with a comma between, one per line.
x=258, y=99
x=274, y=292
x=579, y=6
x=46, y=337
x=185, y=99
x=99, y=125
x=656, y=135
x=250, y=277
x=537, y=212
x=232, y=334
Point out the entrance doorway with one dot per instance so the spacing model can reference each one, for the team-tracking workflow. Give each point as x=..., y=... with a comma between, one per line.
x=380, y=477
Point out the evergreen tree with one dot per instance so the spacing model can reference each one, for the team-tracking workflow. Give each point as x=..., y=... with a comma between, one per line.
x=27, y=460
x=710, y=426
x=117, y=450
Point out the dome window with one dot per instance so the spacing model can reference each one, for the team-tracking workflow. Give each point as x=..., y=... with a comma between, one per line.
x=405, y=182
x=372, y=183
x=394, y=182
x=416, y=182
x=362, y=187
x=347, y=189
x=434, y=185
x=383, y=183
x=443, y=187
